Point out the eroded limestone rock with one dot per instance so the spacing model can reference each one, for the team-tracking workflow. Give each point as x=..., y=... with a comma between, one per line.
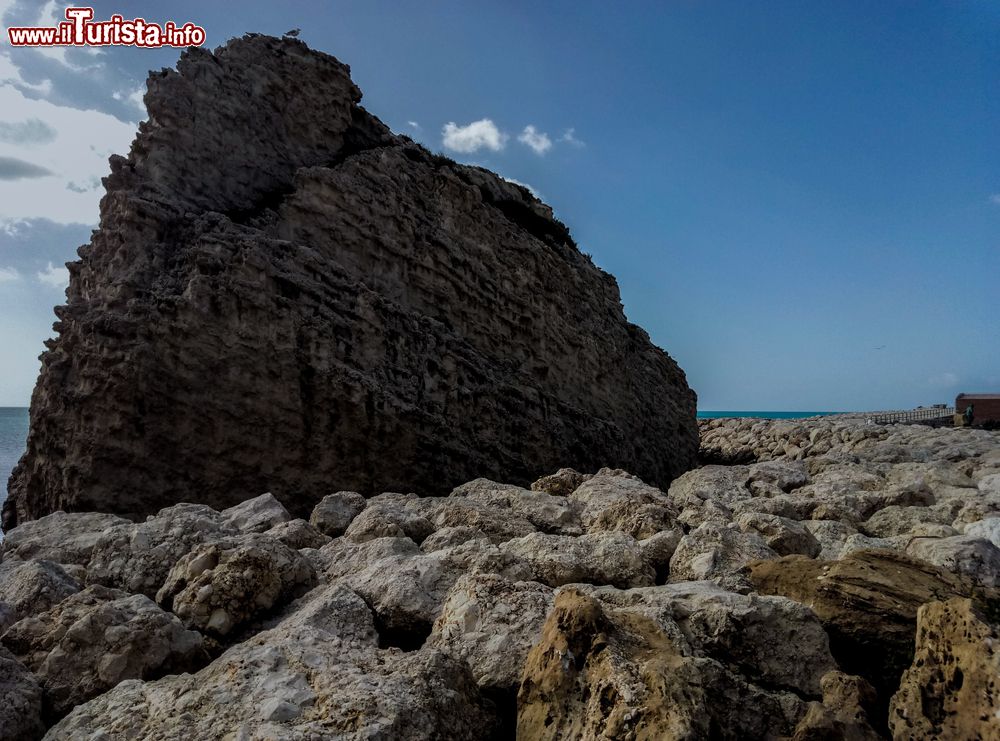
x=284, y=296
x=336, y=511
x=28, y=587
x=314, y=676
x=67, y=538
x=952, y=689
x=619, y=665
x=20, y=701
x=492, y=622
x=138, y=557
x=256, y=515
x=96, y=638
x=218, y=587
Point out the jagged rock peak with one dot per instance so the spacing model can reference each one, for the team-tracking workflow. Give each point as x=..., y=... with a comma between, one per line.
x=285, y=296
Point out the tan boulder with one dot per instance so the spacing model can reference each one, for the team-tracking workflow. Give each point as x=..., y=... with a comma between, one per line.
x=952, y=689
x=637, y=664
x=868, y=603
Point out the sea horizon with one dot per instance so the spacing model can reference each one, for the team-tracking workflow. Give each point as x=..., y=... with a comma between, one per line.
x=719, y=414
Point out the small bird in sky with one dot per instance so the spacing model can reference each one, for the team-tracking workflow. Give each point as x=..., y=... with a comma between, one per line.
x=294, y=33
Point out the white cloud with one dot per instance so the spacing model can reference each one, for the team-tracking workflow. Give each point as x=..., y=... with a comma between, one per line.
x=481, y=134
x=9, y=275
x=569, y=136
x=132, y=96
x=57, y=277
x=538, y=140
x=10, y=74
x=531, y=190
x=995, y=198
x=11, y=227
x=414, y=125
x=77, y=154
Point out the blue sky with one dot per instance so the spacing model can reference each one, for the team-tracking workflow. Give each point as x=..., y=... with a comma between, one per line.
x=800, y=201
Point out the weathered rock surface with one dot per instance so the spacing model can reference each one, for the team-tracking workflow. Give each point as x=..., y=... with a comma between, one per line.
x=532, y=510
x=717, y=552
x=596, y=558
x=845, y=714
x=59, y=537
x=93, y=640
x=868, y=603
x=298, y=534
x=680, y=661
x=393, y=515
x=968, y=555
x=256, y=515
x=220, y=586
x=492, y=622
x=284, y=296
x=576, y=596
x=28, y=587
x=335, y=512
x=561, y=483
x=952, y=690
x=785, y=537
x=314, y=676
x=20, y=701
x=138, y=557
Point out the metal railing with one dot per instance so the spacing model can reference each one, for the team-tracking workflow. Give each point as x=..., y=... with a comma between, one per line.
x=912, y=415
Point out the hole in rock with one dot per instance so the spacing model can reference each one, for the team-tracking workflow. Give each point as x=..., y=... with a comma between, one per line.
x=882, y=664
x=505, y=702
x=408, y=637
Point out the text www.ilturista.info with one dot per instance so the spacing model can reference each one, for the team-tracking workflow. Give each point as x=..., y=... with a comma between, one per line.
x=80, y=30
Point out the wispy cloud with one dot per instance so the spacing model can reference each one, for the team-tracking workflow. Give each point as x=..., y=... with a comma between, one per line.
x=30, y=131
x=995, y=198
x=12, y=168
x=9, y=275
x=10, y=74
x=57, y=277
x=537, y=140
x=481, y=134
x=74, y=154
x=11, y=227
x=569, y=137
x=414, y=125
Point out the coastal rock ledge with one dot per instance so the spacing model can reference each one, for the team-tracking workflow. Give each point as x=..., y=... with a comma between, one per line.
x=285, y=296
x=845, y=591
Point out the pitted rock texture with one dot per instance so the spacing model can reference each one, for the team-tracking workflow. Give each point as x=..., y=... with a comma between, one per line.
x=952, y=690
x=679, y=662
x=284, y=296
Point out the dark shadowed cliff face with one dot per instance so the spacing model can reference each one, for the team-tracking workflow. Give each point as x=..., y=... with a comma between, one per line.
x=284, y=296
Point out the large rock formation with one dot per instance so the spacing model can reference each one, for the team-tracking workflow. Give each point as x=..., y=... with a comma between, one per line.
x=284, y=296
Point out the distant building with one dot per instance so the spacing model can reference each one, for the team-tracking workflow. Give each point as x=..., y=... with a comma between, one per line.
x=985, y=408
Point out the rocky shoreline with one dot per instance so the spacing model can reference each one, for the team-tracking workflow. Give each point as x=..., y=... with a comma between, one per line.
x=841, y=583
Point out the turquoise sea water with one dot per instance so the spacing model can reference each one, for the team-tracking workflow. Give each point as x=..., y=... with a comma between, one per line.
x=762, y=415
x=13, y=435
